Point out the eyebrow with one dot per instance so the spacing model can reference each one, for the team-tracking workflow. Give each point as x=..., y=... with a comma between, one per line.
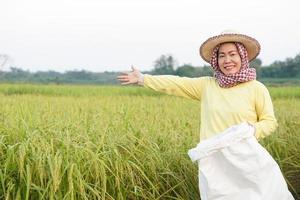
x=228, y=52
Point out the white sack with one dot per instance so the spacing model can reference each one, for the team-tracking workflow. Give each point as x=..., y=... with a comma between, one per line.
x=234, y=166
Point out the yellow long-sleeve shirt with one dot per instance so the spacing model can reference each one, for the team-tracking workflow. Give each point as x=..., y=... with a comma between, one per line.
x=221, y=107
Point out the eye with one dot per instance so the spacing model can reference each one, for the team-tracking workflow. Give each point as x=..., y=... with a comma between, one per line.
x=221, y=56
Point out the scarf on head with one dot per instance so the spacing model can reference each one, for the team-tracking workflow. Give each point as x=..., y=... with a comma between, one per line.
x=245, y=74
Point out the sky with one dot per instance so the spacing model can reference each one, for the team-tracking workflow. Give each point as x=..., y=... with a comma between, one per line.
x=112, y=35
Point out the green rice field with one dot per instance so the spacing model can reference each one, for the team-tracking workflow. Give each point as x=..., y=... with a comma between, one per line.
x=113, y=142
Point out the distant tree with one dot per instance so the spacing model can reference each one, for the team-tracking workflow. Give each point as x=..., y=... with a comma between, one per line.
x=186, y=70
x=296, y=66
x=17, y=74
x=165, y=64
x=47, y=77
x=256, y=63
x=290, y=68
x=206, y=71
x=190, y=71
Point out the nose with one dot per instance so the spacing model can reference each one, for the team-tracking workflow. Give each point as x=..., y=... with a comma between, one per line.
x=227, y=59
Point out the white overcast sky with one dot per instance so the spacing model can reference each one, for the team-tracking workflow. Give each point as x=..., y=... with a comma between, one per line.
x=112, y=35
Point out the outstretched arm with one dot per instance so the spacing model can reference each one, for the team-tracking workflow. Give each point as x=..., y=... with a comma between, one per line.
x=174, y=85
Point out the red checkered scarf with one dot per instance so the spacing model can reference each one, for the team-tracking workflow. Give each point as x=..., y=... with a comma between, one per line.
x=245, y=74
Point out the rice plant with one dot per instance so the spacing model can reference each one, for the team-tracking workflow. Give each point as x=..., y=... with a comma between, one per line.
x=111, y=142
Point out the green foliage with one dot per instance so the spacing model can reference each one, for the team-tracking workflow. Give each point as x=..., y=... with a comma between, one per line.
x=74, y=77
x=186, y=70
x=276, y=82
x=190, y=71
x=290, y=68
x=285, y=72
x=256, y=63
x=165, y=64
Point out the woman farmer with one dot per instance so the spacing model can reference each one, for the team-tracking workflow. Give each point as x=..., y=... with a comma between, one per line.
x=233, y=96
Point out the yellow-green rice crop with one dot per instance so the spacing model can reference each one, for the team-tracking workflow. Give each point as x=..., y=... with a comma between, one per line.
x=96, y=142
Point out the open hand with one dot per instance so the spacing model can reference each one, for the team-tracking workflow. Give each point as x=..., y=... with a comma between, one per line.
x=132, y=77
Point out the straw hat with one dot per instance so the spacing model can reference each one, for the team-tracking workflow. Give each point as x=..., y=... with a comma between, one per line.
x=251, y=44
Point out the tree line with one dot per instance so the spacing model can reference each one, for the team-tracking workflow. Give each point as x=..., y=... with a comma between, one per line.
x=290, y=68
x=165, y=64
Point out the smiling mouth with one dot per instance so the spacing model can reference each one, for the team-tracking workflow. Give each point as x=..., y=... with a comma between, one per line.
x=229, y=67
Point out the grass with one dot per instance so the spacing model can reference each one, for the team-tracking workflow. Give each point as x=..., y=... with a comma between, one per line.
x=110, y=142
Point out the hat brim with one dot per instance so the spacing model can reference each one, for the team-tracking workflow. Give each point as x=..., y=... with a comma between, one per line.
x=251, y=44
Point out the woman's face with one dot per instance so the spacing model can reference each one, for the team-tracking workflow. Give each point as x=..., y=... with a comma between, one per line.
x=229, y=59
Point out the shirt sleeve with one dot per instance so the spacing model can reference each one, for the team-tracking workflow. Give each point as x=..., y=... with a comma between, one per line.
x=266, y=121
x=190, y=88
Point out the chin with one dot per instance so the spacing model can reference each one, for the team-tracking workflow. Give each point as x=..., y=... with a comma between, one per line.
x=230, y=72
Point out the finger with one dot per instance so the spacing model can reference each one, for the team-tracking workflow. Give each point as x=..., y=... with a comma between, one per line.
x=125, y=83
x=125, y=73
x=122, y=76
x=133, y=68
x=123, y=80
